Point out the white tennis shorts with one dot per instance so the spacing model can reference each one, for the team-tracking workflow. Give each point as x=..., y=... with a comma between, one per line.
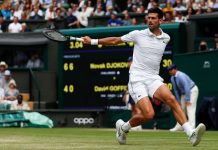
x=143, y=86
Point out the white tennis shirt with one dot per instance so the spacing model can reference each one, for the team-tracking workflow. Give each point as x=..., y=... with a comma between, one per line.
x=148, y=51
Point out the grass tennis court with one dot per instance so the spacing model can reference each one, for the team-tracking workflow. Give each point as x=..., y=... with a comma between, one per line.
x=98, y=139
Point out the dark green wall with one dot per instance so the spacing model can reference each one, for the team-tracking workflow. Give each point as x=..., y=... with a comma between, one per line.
x=202, y=67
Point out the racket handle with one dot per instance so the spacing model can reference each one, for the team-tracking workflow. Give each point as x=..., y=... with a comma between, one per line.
x=76, y=39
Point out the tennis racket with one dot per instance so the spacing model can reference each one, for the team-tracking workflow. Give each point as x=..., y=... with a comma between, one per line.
x=55, y=35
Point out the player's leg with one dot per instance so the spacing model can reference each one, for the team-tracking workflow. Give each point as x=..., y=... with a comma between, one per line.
x=164, y=94
x=191, y=109
x=147, y=112
x=138, y=92
x=136, y=110
x=178, y=127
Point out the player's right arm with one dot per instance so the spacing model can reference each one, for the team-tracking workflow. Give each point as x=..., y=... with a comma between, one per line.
x=103, y=41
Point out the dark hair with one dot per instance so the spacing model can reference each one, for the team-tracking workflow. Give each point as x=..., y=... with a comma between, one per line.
x=156, y=10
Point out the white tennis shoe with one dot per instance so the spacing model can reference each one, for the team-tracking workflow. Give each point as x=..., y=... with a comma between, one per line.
x=120, y=134
x=197, y=133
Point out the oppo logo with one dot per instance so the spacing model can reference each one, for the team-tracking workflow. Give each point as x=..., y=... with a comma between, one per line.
x=83, y=121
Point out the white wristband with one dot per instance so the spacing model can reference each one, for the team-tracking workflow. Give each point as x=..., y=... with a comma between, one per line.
x=94, y=41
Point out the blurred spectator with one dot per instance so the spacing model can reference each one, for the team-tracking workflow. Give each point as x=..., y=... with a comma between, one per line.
x=46, y=4
x=113, y=21
x=38, y=3
x=141, y=9
x=6, y=12
x=15, y=26
x=59, y=15
x=25, y=28
x=134, y=21
x=199, y=11
x=129, y=6
x=12, y=92
x=75, y=11
x=99, y=11
x=17, y=12
x=168, y=8
x=3, y=25
x=110, y=10
x=20, y=104
x=127, y=20
x=190, y=11
x=49, y=13
x=3, y=67
x=25, y=14
x=145, y=20
x=179, y=17
x=36, y=14
x=35, y=61
x=150, y=4
x=203, y=46
x=71, y=20
x=209, y=10
x=203, y=4
x=6, y=80
x=168, y=17
x=83, y=16
x=2, y=95
x=114, y=5
x=179, y=6
x=101, y=3
x=215, y=4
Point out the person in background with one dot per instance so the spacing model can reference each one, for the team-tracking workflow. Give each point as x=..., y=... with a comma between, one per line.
x=5, y=11
x=36, y=13
x=3, y=25
x=99, y=11
x=186, y=92
x=12, y=92
x=114, y=22
x=19, y=104
x=15, y=26
x=35, y=61
x=3, y=67
x=7, y=78
x=127, y=21
x=25, y=28
x=203, y=46
x=71, y=20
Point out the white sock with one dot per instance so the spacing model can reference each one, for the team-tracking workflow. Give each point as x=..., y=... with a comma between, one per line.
x=126, y=126
x=187, y=128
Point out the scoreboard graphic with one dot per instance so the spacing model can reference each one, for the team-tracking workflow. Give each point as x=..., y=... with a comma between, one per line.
x=96, y=76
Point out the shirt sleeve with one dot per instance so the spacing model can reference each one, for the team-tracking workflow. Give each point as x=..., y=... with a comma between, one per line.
x=130, y=37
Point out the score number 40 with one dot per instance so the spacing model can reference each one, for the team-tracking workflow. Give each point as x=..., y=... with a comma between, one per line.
x=69, y=88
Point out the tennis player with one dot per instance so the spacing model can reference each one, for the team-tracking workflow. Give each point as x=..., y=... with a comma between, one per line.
x=144, y=79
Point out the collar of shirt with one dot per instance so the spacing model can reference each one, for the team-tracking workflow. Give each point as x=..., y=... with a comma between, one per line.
x=177, y=74
x=152, y=34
